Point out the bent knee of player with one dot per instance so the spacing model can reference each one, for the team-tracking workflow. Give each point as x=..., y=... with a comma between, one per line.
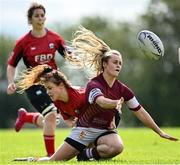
x=118, y=148
x=115, y=149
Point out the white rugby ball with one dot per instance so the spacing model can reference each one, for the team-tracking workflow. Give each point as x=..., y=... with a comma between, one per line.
x=150, y=44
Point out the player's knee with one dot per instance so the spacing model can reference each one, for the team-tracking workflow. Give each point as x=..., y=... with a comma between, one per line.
x=116, y=149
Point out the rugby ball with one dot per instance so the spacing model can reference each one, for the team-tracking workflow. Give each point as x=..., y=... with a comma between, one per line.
x=150, y=44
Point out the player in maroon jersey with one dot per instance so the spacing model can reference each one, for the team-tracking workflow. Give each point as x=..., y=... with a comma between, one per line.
x=36, y=47
x=68, y=99
x=104, y=95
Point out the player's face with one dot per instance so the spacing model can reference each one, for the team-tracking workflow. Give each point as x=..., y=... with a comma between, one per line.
x=114, y=65
x=38, y=19
x=54, y=91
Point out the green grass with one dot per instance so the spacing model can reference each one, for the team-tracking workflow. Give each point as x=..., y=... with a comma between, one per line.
x=142, y=146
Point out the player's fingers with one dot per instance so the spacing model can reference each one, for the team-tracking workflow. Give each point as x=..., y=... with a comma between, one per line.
x=173, y=139
x=28, y=159
x=166, y=136
x=122, y=100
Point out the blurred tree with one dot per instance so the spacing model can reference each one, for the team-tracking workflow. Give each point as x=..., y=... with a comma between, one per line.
x=8, y=104
x=6, y=44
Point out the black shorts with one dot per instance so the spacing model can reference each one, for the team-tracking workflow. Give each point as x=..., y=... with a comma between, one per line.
x=39, y=98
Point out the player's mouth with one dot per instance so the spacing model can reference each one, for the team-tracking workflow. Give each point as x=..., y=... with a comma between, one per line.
x=40, y=24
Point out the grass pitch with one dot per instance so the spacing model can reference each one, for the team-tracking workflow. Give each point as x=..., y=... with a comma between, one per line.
x=142, y=146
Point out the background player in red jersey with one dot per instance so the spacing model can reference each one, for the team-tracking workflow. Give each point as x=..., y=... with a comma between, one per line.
x=36, y=47
x=103, y=99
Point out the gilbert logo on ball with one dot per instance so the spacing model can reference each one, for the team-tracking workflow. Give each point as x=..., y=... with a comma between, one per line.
x=150, y=44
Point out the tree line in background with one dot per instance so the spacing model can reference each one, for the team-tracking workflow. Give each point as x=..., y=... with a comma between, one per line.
x=156, y=83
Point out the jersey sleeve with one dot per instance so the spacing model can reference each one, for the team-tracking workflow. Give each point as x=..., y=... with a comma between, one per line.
x=61, y=45
x=16, y=54
x=93, y=91
x=130, y=99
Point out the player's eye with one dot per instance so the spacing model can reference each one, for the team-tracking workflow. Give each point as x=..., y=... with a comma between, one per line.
x=116, y=62
x=42, y=15
x=39, y=15
x=49, y=88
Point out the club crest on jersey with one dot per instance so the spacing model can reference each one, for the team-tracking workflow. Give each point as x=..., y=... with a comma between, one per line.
x=82, y=135
x=33, y=48
x=51, y=45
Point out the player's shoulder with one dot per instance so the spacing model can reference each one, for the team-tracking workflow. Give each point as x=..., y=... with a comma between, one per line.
x=119, y=82
x=78, y=88
x=95, y=80
x=122, y=85
x=23, y=38
x=53, y=33
x=94, y=83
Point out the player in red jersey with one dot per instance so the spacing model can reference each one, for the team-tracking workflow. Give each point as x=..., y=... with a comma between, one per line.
x=36, y=47
x=68, y=99
x=104, y=95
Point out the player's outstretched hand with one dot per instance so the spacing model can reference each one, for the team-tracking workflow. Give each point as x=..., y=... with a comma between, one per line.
x=33, y=159
x=166, y=136
x=28, y=159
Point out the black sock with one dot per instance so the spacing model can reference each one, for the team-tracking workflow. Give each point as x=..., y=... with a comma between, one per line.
x=82, y=156
x=88, y=153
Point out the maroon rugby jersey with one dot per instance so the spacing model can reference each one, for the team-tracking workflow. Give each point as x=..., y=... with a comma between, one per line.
x=35, y=51
x=72, y=108
x=95, y=116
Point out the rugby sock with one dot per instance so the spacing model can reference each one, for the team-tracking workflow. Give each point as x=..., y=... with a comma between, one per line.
x=31, y=117
x=89, y=153
x=95, y=153
x=49, y=144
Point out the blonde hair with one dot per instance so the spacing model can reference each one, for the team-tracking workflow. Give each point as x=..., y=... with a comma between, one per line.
x=28, y=78
x=90, y=49
x=40, y=75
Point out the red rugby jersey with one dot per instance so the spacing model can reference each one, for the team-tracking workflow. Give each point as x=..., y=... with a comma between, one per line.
x=35, y=51
x=72, y=108
x=95, y=116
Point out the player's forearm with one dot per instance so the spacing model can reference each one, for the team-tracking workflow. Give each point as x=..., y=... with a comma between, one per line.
x=107, y=103
x=147, y=120
x=10, y=73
